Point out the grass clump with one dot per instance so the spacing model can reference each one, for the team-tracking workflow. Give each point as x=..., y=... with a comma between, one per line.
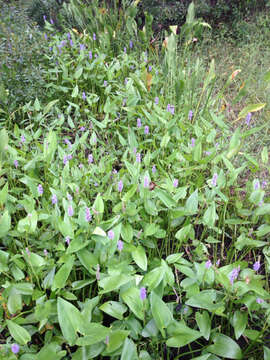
x=127, y=230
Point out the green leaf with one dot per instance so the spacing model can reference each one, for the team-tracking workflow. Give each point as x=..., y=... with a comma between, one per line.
x=140, y=258
x=161, y=313
x=93, y=333
x=62, y=274
x=114, y=309
x=19, y=334
x=235, y=144
x=129, y=351
x=266, y=352
x=224, y=346
x=70, y=320
x=113, y=282
x=204, y=322
x=3, y=261
x=132, y=298
x=204, y=299
x=264, y=155
x=78, y=73
x=249, y=109
x=14, y=302
x=182, y=334
x=128, y=195
x=192, y=203
x=262, y=210
x=183, y=234
x=116, y=339
x=3, y=140
x=239, y=322
x=48, y=107
x=5, y=223
x=75, y=92
x=210, y=215
x=127, y=232
x=99, y=204
x=165, y=198
x=4, y=194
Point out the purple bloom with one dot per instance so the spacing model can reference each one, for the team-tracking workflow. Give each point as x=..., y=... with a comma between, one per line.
x=214, y=179
x=175, y=183
x=149, y=68
x=192, y=142
x=256, y=265
x=54, y=199
x=111, y=234
x=146, y=182
x=90, y=158
x=22, y=139
x=70, y=210
x=96, y=184
x=138, y=157
x=52, y=22
x=80, y=166
x=120, y=186
x=68, y=36
x=170, y=108
x=45, y=252
x=26, y=249
x=88, y=216
x=83, y=96
x=71, y=42
x=98, y=272
x=50, y=48
x=146, y=130
x=120, y=245
x=67, y=240
x=67, y=142
x=259, y=301
x=40, y=189
x=248, y=118
x=69, y=156
x=264, y=184
x=234, y=274
x=139, y=123
x=15, y=348
x=90, y=55
x=94, y=37
x=190, y=114
x=105, y=83
x=69, y=197
x=124, y=102
x=257, y=185
x=154, y=169
x=218, y=262
x=156, y=100
x=126, y=81
x=16, y=163
x=134, y=150
x=82, y=128
x=45, y=36
x=208, y=153
x=44, y=17
x=65, y=159
x=82, y=47
x=125, y=49
x=143, y=293
x=130, y=44
x=208, y=264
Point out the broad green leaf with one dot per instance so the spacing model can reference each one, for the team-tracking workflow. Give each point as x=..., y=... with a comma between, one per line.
x=78, y=73
x=128, y=195
x=165, y=198
x=14, y=302
x=87, y=259
x=127, y=232
x=4, y=194
x=99, y=204
x=115, y=340
x=153, y=278
x=184, y=233
x=3, y=140
x=262, y=210
x=239, y=322
x=93, y=333
x=113, y=282
x=161, y=313
x=264, y=155
x=19, y=334
x=62, y=274
x=132, y=298
x=5, y=223
x=235, y=144
x=50, y=146
x=51, y=351
x=225, y=347
x=249, y=109
x=204, y=300
x=48, y=107
x=210, y=215
x=266, y=352
x=192, y=203
x=75, y=92
x=129, y=351
x=70, y=320
x=204, y=322
x=114, y=309
x=35, y=260
x=181, y=334
x=150, y=329
x=3, y=261
x=139, y=257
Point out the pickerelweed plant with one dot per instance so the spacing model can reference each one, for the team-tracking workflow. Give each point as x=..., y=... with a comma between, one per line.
x=128, y=229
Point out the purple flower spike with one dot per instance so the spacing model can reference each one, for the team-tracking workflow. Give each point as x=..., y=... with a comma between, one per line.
x=138, y=157
x=90, y=158
x=44, y=17
x=125, y=50
x=82, y=47
x=111, y=234
x=130, y=44
x=52, y=22
x=15, y=348
x=69, y=197
x=45, y=36
x=69, y=156
x=70, y=210
x=192, y=142
x=65, y=159
x=256, y=265
x=143, y=293
x=248, y=118
x=94, y=37
x=139, y=122
x=156, y=100
x=54, y=199
x=190, y=114
x=146, y=130
x=16, y=163
x=259, y=301
x=214, y=179
x=88, y=215
x=120, y=245
x=71, y=42
x=45, y=252
x=67, y=240
x=234, y=274
x=68, y=36
x=208, y=264
x=149, y=68
x=105, y=83
x=146, y=182
x=175, y=183
x=40, y=189
x=83, y=96
x=154, y=169
x=170, y=108
x=257, y=185
x=120, y=186
x=22, y=139
x=264, y=184
x=90, y=55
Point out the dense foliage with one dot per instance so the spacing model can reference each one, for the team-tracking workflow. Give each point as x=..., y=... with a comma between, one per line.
x=134, y=223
